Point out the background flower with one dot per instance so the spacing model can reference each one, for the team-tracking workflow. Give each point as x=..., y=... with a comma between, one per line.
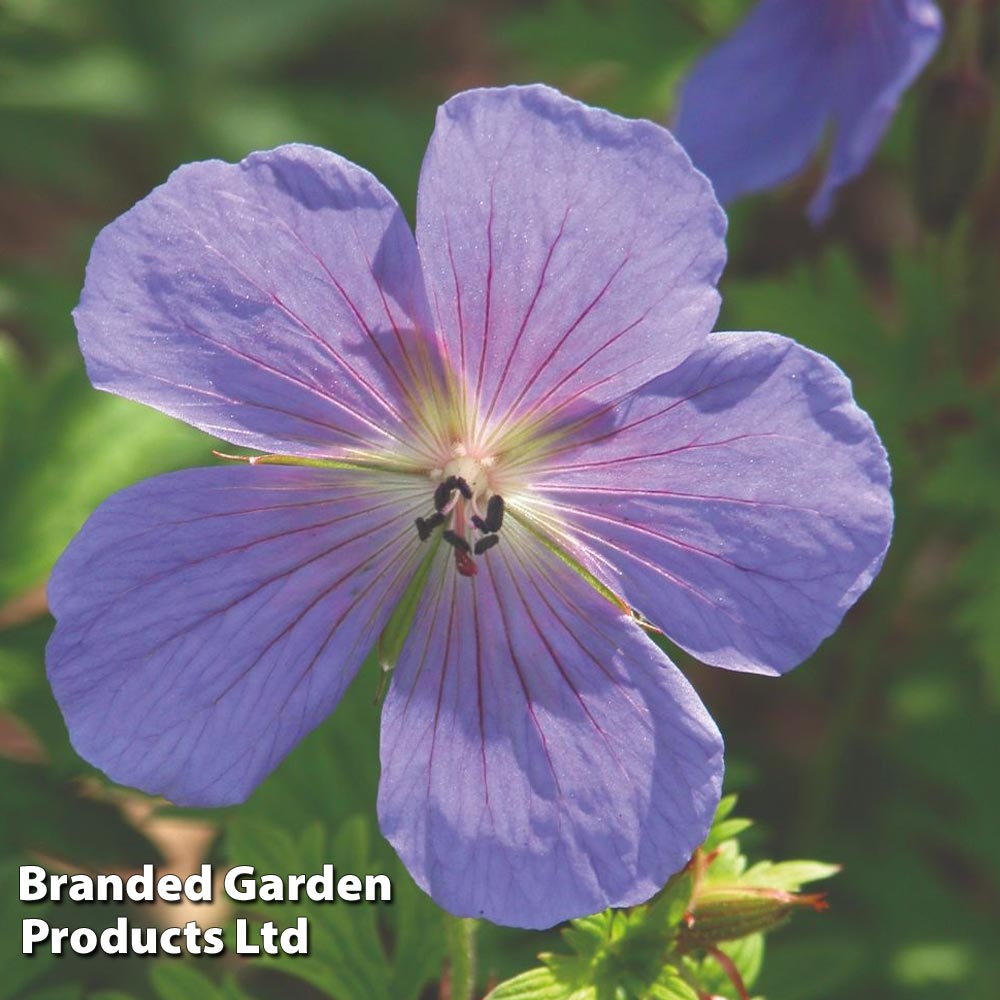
x=756, y=108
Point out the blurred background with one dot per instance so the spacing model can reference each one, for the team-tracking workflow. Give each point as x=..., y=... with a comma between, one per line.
x=881, y=753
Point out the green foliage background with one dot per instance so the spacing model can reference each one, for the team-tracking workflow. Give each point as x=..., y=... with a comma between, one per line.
x=881, y=753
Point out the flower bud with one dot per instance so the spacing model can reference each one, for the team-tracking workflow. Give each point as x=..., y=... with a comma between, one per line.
x=727, y=911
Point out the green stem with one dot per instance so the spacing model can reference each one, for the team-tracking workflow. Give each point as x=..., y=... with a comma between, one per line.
x=460, y=938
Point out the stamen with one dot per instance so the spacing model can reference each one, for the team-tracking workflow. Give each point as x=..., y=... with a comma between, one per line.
x=493, y=521
x=442, y=495
x=461, y=505
x=458, y=483
x=485, y=544
x=456, y=540
x=426, y=525
x=494, y=513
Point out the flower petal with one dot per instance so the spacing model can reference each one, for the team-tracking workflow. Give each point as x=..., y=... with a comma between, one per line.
x=541, y=757
x=894, y=42
x=741, y=501
x=209, y=619
x=271, y=302
x=582, y=244
x=754, y=110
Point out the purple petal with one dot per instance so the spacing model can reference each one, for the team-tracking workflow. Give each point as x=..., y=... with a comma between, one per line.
x=894, y=41
x=271, y=302
x=741, y=502
x=569, y=253
x=754, y=110
x=541, y=757
x=209, y=619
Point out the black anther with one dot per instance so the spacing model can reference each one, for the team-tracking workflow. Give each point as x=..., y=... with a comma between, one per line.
x=444, y=490
x=485, y=544
x=494, y=513
x=458, y=483
x=456, y=540
x=479, y=523
x=441, y=496
x=426, y=525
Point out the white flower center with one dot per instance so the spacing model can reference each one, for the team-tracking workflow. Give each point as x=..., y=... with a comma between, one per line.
x=466, y=509
x=473, y=471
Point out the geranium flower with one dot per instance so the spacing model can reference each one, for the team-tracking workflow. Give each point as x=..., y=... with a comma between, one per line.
x=498, y=439
x=756, y=108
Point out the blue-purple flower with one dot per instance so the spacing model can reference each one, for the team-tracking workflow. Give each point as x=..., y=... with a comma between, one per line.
x=756, y=108
x=496, y=438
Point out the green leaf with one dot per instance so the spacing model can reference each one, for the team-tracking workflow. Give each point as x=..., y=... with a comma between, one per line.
x=181, y=981
x=74, y=447
x=540, y=984
x=726, y=805
x=64, y=991
x=588, y=935
x=670, y=986
x=57, y=818
x=724, y=825
x=728, y=864
x=789, y=875
x=726, y=830
x=12, y=386
x=629, y=62
x=747, y=955
x=18, y=970
x=348, y=955
x=106, y=82
x=670, y=905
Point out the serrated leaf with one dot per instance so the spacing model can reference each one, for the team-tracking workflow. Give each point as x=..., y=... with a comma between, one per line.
x=539, y=984
x=348, y=957
x=587, y=935
x=790, y=875
x=726, y=830
x=667, y=909
x=670, y=986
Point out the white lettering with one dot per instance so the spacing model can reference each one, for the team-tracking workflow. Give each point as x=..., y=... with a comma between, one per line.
x=32, y=887
x=32, y=932
x=244, y=891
